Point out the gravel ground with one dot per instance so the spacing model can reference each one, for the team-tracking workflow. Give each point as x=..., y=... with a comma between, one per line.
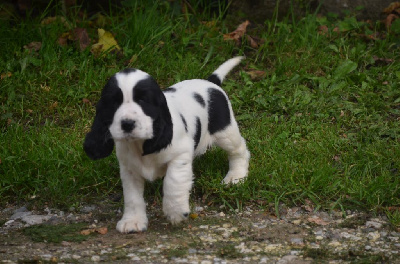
x=299, y=235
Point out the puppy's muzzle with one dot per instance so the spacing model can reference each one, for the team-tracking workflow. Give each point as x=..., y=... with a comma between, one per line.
x=127, y=125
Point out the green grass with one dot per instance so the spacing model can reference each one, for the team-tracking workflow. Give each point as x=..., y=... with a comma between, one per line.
x=322, y=126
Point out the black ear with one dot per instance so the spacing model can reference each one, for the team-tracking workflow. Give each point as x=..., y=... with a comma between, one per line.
x=98, y=142
x=162, y=121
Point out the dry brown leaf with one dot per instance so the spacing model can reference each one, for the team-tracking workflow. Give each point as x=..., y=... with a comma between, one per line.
x=5, y=75
x=102, y=230
x=82, y=38
x=382, y=61
x=87, y=232
x=33, y=46
x=317, y=221
x=392, y=7
x=256, y=74
x=255, y=42
x=323, y=30
x=53, y=105
x=238, y=33
x=389, y=20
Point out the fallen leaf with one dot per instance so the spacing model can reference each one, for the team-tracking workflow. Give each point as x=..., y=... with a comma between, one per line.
x=256, y=74
x=308, y=205
x=393, y=7
x=33, y=46
x=81, y=37
x=382, y=61
x=389, y=20
x=238, y=33
x=323, y=30
x=5, y=75
x=53, y=105
x=87, y=232
x=193, y=216
x=102, y=230
x=317, y=221
x=255, y=42
x=106, y=43
x=85, y=101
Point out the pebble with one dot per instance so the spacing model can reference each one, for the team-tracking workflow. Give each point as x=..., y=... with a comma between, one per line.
x=373, y=224
x=297, y=241
x=19, y=215
x=95, y=258
x=35, y=219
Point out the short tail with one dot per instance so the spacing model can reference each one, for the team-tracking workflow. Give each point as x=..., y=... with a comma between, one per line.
x=219, y=74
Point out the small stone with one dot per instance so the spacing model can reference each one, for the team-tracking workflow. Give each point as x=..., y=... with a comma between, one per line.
x=87, y=209
x=76, y=256
x=192, y=251
x=199, y=209
x=373, y=236
x=296, y=222
x=373, y=224
x=95, y=258
x=397, y=245
x=368, y=247
x=319, y=237
x=287, y=259
x=297, y=241
x=9, y=222
x=35, y=219
x=221, y=214
x=19, y=215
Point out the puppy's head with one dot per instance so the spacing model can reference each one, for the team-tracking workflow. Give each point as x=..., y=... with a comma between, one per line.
x=132, y=107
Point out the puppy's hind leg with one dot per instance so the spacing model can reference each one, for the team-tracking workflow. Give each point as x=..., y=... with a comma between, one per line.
x=231, y=141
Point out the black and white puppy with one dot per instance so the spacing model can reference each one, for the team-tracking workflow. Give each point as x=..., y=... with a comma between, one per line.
x=158, y=133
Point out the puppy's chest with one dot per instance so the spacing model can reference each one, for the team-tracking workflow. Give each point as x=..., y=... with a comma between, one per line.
x=148, y=167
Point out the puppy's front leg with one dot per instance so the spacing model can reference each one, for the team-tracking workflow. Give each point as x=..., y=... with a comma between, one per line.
x=177, y=185
x=134, y=218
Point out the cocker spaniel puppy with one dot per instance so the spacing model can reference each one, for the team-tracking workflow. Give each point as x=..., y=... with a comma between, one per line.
x=158, y=133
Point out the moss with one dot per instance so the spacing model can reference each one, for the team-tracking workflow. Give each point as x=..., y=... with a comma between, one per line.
x=56, y=233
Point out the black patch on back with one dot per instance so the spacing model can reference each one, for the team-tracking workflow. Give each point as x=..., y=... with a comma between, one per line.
x=169, y=90
x=199, y=99
x=214, y=79
x=197, y=135
x=184, y=122
x=219, y=115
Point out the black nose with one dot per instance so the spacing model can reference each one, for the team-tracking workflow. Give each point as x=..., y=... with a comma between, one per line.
x=127, y=125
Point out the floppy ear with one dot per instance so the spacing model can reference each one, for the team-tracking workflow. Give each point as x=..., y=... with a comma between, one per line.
x=98, y=142
x=162, y=123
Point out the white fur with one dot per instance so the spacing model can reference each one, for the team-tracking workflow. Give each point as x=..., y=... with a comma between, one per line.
x=174, y=163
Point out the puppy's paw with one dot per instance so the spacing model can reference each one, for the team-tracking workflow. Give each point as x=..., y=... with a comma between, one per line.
x=131, y=225
x=177, y=217
x=234, y=178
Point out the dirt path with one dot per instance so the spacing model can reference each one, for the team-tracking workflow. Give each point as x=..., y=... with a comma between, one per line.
x=210, y=236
